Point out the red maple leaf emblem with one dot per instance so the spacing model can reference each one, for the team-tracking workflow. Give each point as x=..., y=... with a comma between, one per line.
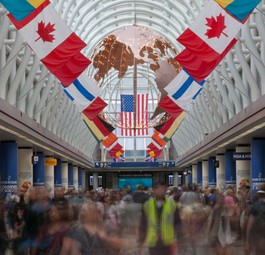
x=217, y=26
x=45, y=32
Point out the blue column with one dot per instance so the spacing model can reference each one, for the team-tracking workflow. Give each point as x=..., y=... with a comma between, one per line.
x=212, y=172
x=257, y=163
x=199, y=172
x=8, y=167
x=70, y=176
x=58, y=174
x=230, y=169
x=80, y=175
x=38, y=170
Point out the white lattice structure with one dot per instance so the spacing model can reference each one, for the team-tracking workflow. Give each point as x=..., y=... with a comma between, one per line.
x=238, y=81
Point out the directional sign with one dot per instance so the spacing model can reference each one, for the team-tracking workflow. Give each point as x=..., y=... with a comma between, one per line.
x=164, y=164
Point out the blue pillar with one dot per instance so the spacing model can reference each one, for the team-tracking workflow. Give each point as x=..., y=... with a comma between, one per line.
x=199, y=173
x=80, y=177
x=38, y=170
x=230, y=169
x=257, y=163
x=8, y=167
x=212, y=172
x=58, y=174
x=70, y=176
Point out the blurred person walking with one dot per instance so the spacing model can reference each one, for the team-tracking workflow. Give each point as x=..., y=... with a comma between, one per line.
x=90, y=235
x=194, y=214
x=219, y=232
x=34, y=217
x=255, y=232
x=160, y=224
x=50, y=237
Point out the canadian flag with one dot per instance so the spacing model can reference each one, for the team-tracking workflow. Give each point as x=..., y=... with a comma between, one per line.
x=53, y=42
x=211, y=33
x=198, y=68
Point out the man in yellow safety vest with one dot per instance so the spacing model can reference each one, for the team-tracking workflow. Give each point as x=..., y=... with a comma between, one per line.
x=160, y=223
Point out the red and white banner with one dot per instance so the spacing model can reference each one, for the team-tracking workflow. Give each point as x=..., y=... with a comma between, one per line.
x=211, y=33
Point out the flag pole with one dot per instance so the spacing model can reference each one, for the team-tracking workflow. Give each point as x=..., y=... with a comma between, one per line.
x=134, y=106
x=134, y=93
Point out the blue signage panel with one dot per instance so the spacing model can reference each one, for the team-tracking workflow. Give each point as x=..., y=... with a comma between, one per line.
x=242, y=155
x=101, y=164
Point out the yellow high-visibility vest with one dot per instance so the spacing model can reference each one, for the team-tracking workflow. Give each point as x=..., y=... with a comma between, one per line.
x=166, y=226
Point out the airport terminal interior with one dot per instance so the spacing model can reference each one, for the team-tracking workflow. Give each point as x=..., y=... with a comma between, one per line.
x=101, y=100
x=226, y=116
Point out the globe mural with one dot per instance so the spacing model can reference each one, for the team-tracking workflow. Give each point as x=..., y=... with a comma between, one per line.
x=134, y=60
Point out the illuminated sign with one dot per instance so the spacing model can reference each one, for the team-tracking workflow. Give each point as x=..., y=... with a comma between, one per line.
x=50, y=162
x=163, y=164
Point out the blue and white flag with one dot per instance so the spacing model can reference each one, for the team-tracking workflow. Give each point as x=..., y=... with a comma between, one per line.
x=183, y=89
x=83, y=91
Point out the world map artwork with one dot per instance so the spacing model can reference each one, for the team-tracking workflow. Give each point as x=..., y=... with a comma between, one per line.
x=136, y=45
x=118, y=55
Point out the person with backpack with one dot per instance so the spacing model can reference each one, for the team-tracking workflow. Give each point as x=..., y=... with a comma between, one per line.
x=255, y=232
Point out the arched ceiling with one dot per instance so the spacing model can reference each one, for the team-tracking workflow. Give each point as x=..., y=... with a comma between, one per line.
x=238, y=81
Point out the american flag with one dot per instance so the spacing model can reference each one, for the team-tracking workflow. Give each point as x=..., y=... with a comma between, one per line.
x=129, y=126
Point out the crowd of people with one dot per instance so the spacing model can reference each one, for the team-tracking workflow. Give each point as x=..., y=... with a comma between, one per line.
x=162, y=220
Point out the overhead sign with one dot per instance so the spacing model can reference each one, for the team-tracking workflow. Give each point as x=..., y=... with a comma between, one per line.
x=164, y=164
x=50, y=162
x=242, y=155
x=124, y=175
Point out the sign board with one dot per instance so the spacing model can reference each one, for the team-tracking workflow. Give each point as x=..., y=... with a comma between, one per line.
x=242, y=155
x=35, y=159
x=164, y=164
x=50, y=162
x=128, y=175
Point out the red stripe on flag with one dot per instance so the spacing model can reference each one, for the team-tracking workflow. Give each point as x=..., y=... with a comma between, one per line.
x=30, y=17
x=115, y=149
x=122, y=124
x=198, y=68
x=170, y=107
x=64, y=52
x=194, y=66
x=127, y=123
x=145, y=100
x=95, y=108
x=131, y=122
x=167, y=125
x=142, y=114
x=152, y=148
x=70, y=71
x=100, y=126
x=197, y=46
